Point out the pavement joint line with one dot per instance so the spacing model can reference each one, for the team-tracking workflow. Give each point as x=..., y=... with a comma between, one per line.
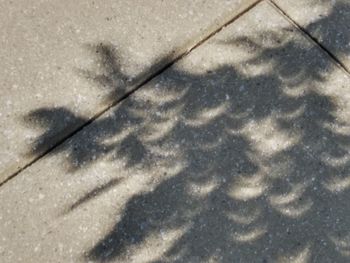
x=314, y=40
x=157, y=72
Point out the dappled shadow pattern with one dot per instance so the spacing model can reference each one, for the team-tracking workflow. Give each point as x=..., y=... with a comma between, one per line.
x=333, y=29
x=264, y=174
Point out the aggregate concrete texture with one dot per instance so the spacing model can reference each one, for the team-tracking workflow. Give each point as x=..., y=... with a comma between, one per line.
x=50, y=49
x=328, y=22
x=239, y=152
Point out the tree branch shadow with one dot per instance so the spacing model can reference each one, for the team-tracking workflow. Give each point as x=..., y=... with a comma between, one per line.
x=267, y=167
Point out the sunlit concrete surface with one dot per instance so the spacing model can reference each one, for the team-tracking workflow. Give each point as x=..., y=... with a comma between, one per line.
x=49, y=49
x=328, y=21
x=239, y=152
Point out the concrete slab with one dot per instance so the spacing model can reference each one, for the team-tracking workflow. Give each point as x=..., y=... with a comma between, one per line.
x=326, y=21
x=237, y=153
x=49, y=49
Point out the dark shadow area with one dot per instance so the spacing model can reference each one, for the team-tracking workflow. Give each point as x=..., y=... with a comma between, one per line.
x=55, y=122
x=333, y=30
x=266, y=168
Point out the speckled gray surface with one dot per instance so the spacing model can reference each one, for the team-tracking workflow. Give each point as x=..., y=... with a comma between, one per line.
x=50, y=48
x=237, y=153
x=326, y=20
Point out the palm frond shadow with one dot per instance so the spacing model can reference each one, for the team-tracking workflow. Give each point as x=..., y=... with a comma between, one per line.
x=265, y=146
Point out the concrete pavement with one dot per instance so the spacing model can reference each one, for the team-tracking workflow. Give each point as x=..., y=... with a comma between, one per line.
x=239, y=152
x=53, y=55
x=326, y=21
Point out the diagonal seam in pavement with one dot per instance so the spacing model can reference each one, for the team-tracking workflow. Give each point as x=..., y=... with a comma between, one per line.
x=310, y=37
x=160, y=67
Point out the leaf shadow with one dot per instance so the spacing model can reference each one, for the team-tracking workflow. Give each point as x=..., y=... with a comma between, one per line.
x=266, y=164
